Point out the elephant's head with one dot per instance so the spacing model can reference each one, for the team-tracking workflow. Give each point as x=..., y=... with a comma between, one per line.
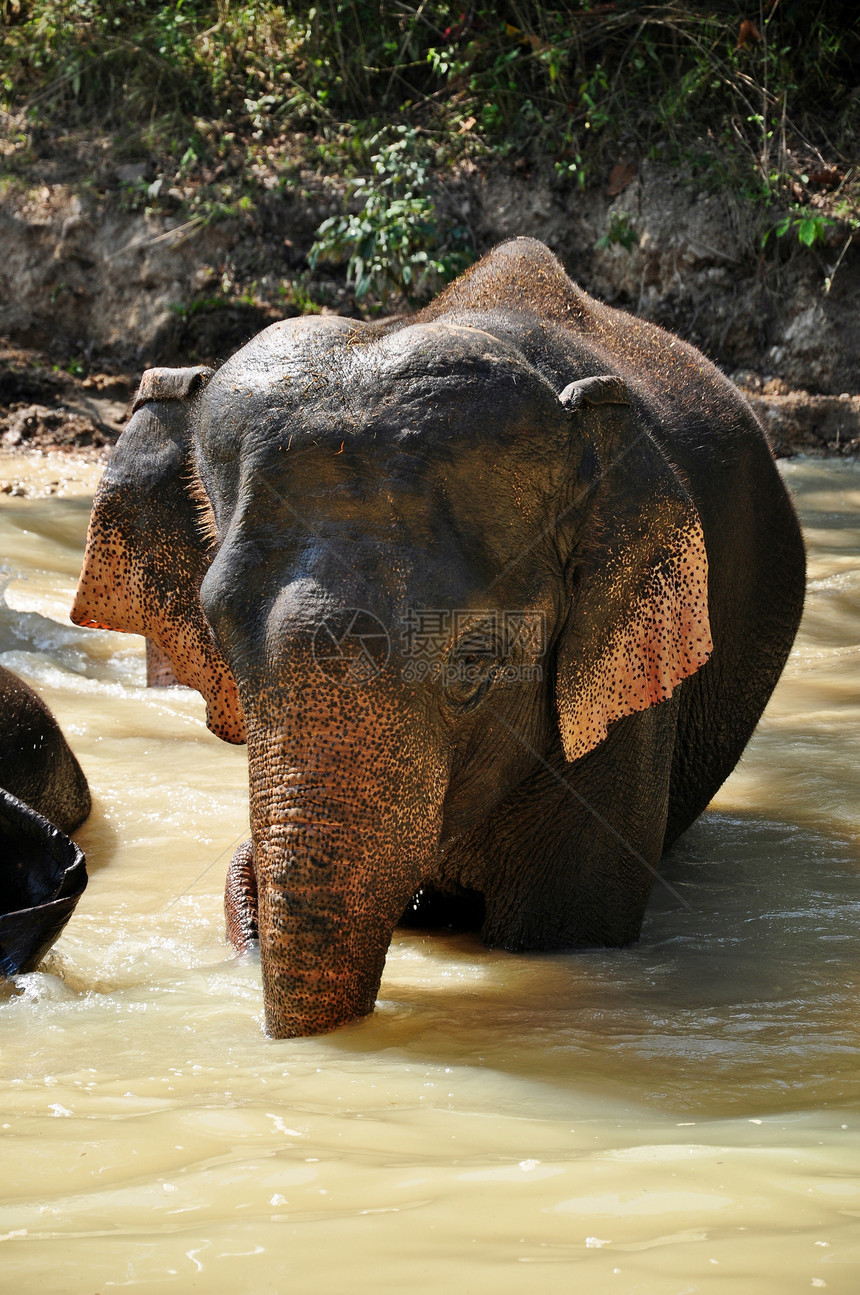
x=423, y=564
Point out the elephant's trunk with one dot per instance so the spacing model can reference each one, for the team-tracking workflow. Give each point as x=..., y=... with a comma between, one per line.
x=339, y=846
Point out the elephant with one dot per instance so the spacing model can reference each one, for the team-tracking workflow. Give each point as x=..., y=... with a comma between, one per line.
x=36, y=763
x=496, y=594
x=43, y=796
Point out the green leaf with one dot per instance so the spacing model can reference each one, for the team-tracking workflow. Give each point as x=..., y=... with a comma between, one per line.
x=808, y=231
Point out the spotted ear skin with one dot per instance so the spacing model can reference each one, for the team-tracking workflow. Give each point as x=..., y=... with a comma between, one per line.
x=638, y=623
x=147, y=552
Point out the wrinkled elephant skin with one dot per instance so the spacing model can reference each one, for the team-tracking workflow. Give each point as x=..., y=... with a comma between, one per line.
x=497, y=594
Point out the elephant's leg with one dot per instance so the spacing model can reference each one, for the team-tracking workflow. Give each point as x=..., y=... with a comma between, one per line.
x=159, y=668
x=240, y=899
x=570, y=858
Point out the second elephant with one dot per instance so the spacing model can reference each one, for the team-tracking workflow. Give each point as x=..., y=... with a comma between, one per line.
x=43, y=796
x=36, y=762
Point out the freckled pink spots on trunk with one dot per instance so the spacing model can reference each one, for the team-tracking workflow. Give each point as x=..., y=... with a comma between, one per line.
x=345, y=815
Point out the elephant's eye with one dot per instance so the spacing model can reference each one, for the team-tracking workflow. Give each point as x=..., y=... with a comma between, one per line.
x=469, y=675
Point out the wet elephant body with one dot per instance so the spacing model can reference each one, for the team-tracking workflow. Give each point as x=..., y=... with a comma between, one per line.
x=36, y=763
x=496, y=594
x=43, y=796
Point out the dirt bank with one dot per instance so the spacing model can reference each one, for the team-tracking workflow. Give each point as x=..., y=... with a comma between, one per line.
x=91, y=292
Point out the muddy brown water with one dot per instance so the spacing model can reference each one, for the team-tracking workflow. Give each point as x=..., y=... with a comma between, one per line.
x=675, y=1117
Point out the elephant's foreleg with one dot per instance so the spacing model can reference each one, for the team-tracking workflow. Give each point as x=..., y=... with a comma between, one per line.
x=240, y=899
x=569, y=859
x=159, y=668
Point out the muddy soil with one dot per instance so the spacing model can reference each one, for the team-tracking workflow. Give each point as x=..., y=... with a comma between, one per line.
x=42, y=406
x=91, y=293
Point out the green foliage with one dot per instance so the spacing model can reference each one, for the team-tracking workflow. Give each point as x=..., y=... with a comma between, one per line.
x=599, y=68
x=218, y=91
x=811, y=227
x=393, y=242
x=299, y=297
x=204, y=306
x=620, y=233
x=116, y=62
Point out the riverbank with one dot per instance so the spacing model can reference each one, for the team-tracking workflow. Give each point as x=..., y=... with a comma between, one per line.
x=171, y=182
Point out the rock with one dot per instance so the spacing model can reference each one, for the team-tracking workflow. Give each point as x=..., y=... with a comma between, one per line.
x=694, y=265
x=85, y=276
x=132, y=172
x=797, y=422
x=41, y=427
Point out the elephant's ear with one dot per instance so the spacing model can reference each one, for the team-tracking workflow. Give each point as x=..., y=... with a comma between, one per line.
x=638, y=620
x=148, y=548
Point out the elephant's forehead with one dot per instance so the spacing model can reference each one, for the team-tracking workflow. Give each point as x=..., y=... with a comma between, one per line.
x=444, y=341
x=346, y=352
x=304, y=338
x=437, y=379
x=281, y=352
x=428, y=360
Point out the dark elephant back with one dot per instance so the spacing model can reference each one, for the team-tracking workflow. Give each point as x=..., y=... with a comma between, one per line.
x=36, y=764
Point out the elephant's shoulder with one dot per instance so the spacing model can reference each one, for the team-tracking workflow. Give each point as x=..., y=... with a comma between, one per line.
x=521, y=275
